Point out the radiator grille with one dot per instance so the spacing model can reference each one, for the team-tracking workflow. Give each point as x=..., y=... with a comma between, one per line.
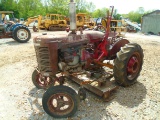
x=43, y=59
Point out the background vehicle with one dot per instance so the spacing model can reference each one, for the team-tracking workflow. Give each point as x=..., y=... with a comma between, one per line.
x=84, y=21
x=55, y=22
x=49, y=22
x=9, y=28
x=33, y=22
x=118, y=26
x=81, y=57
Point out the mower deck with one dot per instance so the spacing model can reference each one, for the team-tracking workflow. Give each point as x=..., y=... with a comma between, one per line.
x=102, y=88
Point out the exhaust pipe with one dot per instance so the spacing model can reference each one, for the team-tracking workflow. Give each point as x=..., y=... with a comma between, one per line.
x=72, y=16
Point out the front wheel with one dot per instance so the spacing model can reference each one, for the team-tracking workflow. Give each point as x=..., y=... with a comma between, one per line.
x=41, y=82
x=21, y=34
x=128, y=64
x=60, y=101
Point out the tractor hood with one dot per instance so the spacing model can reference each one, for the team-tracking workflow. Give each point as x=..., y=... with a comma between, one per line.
x=65, y=39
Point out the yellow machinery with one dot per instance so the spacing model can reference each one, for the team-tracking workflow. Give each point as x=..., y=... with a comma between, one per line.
x=53, y=22
x=117, y=26
x=49, y=22
x=33, y=20
x=2, y=16
x=84, y=21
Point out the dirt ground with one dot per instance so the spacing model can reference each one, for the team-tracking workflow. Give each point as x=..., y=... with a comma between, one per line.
x=20, y=100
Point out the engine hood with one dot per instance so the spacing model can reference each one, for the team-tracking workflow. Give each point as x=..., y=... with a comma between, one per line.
x=65, y=39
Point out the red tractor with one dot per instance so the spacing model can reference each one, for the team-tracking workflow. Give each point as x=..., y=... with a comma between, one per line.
x=93, y=59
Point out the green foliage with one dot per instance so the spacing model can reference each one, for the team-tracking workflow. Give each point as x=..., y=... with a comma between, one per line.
x=100, y=13
x=117, y=17
x=135, y=16
x=90, y=7
x=2, y=7
x=57, y=6
x=9, y=5
x=30, y=8
x=23, y=8
x=81, y=6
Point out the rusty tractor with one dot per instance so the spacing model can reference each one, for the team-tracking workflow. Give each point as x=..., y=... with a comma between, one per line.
x=11, y=29
x=93, y=59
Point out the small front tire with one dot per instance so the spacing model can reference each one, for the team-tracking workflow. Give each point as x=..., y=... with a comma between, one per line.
x=60, y=101
x=41, y=82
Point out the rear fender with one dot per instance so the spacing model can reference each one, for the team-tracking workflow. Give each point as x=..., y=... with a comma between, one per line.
x=116, y=47
x=15, y=25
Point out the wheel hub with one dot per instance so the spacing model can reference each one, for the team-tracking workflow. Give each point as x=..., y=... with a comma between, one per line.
x=22, y=34
x=60, y=103
x=43, y=81
x=133, y=66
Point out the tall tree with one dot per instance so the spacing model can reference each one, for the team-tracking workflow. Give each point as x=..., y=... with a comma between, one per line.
x=5, y=5
x=58, y=6
x=100, y=13
x=30, y=8
x=90, y=7
x=81, y=6
x=135, y=16
x=46, y=5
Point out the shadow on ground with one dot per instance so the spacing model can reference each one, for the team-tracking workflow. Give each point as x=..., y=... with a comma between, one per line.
x=129, y=96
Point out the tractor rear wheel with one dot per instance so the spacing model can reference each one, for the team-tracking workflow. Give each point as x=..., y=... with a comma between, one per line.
x=128, y=64
x=60, y=101
x=21, y=34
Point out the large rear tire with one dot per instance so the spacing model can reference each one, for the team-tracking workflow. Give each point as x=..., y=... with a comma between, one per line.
x=128, y=64
x=60, y=101
x=21, y=34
